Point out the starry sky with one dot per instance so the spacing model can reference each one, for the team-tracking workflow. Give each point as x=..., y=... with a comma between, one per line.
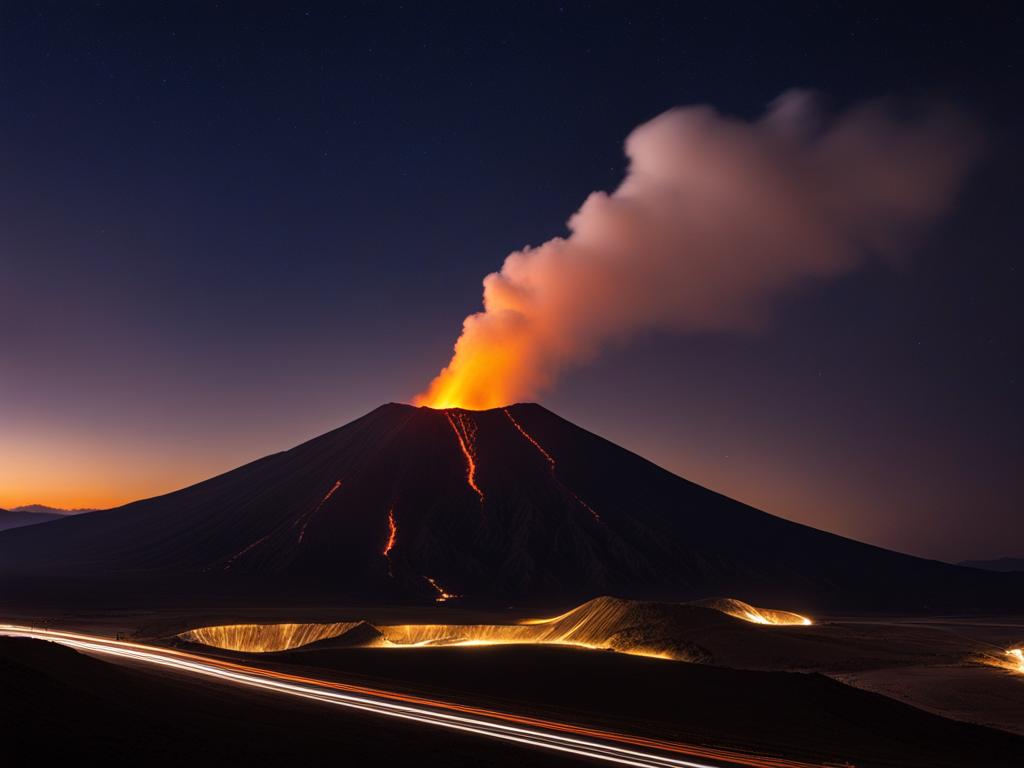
x=228, y=227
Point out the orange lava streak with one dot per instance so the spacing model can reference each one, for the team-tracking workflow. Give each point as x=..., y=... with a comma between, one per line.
x=586, y=506
x=241, y=552
x=441, y=594
x=547, y=456
x=551, y=463
x=308, y=517
x=392, y=533
x=465, y=437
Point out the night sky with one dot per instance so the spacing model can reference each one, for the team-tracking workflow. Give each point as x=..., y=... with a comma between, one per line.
x=225, y=229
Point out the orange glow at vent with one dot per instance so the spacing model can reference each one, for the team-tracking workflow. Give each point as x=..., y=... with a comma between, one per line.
x=465, y=432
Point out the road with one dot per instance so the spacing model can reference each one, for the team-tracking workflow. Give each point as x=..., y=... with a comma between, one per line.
x=570, y=739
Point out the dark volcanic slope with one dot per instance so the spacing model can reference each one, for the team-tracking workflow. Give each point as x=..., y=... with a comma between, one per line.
x=504, y=505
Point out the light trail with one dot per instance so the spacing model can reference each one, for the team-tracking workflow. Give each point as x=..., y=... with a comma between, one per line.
x=465, y=432
x=605, y=746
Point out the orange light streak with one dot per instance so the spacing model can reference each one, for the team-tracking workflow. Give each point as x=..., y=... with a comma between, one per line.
x=465, y=432
x=307, y=518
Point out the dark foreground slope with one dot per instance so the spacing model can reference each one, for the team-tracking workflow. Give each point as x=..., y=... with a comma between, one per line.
x=60, y=707
x=504, y=506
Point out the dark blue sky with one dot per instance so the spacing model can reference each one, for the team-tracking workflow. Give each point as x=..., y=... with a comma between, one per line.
x=225, y=228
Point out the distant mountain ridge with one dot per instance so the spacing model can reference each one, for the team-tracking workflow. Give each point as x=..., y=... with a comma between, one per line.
x=508, y=506
x=18, y=518
x=43, y=509
x=1001, y=564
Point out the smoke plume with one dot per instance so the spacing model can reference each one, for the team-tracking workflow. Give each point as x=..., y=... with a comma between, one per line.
x=716, y=219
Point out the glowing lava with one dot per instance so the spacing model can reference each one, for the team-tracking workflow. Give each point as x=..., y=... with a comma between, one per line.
x=392, y=534
x=1017, y=657
x=442, y=596
x=231, y=560
x=547, y=456
x=311, y=515
x=551, y=464
x=465, y=431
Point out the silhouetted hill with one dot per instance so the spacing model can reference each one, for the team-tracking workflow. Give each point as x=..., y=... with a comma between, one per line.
x=42, y=508
x=499, y=506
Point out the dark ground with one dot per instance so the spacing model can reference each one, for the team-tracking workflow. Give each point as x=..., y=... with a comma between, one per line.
x=60, y=705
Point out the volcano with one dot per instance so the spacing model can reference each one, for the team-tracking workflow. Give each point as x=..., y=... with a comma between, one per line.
x=506, y=506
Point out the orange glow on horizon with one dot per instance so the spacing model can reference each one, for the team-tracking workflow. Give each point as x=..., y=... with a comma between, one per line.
x=465, y=432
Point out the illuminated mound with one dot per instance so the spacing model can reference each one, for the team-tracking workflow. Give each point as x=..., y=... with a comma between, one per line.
x=607, y=623
x=267, y=638
x=603, y=623
x=1013, y=660
x=747, y=612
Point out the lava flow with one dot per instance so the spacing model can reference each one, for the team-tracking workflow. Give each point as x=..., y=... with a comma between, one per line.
x=465, y=432
x=442, y=595
x=250, y=547
x=551, y=463
x=547, y=456
x=310, y=515
x=392, y=535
